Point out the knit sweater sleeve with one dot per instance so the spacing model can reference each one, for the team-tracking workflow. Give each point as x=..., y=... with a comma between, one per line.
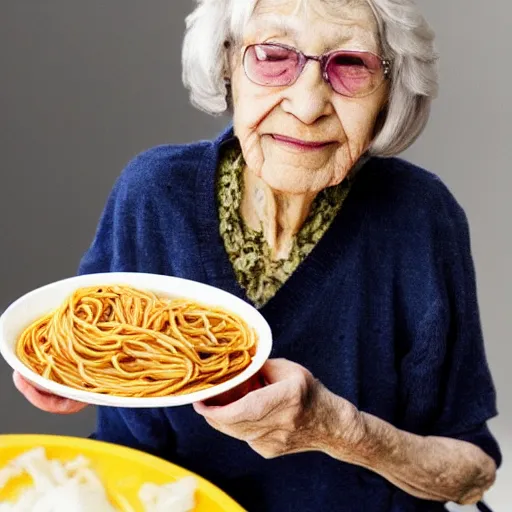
x=446, y=385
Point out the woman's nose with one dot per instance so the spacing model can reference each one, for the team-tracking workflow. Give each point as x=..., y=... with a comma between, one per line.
x=309, y=98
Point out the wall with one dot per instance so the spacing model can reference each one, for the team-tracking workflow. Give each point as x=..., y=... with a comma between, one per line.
x=87, y=85
x=467, y=144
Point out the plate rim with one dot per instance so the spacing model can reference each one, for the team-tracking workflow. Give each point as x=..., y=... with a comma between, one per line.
x=92, y=398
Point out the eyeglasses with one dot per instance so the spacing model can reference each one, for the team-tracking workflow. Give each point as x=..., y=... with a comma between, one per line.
x=350, y=73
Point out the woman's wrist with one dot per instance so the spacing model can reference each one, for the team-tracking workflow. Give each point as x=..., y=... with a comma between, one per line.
x=432, y=468
x=359, y=438
x=341, y=430
x=365, y=440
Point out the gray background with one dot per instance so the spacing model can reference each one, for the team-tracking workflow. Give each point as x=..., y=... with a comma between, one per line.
x=85, y=85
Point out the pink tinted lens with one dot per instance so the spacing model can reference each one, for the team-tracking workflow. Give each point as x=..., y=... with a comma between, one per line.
x=354, y=73
x=267, y=64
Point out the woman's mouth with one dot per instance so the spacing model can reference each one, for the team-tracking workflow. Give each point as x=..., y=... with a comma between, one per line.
x=301, y=145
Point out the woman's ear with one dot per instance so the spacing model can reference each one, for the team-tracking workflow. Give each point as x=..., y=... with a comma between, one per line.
x=229, y=94
x=381, y=119
x=381, y=116
x=228, y=65
x=228, y=57
x=232, y=58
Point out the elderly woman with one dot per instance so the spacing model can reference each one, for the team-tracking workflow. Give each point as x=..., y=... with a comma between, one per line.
x=378, y=393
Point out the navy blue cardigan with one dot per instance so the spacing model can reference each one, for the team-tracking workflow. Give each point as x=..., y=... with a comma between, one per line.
x=383, y=311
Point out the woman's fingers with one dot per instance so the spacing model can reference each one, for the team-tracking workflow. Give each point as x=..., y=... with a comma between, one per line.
x=46, y=401
x=237, y=393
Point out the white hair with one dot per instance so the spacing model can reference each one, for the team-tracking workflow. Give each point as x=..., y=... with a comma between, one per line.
x=406, y=39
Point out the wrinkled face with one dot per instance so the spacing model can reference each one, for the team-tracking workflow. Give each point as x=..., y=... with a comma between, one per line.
x=304, y=137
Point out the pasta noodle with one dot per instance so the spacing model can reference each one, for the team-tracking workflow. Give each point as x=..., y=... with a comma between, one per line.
x=121, y=341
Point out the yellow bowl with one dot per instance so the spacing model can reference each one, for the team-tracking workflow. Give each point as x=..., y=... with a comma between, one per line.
x=122, y=470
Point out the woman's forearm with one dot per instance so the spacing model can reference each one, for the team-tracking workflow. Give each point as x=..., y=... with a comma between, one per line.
x=431, y=468
x=435, y=468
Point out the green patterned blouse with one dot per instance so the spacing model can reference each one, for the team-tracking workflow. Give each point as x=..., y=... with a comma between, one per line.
x=256, y=271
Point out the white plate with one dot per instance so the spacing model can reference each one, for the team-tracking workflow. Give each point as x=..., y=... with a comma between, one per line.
x=37, y=303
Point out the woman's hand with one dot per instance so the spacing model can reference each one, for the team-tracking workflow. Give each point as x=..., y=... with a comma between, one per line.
x=295, y=413
x=46, y=401
x=292, y=413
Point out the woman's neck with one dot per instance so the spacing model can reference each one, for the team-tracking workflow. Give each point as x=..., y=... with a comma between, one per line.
x=279, y=215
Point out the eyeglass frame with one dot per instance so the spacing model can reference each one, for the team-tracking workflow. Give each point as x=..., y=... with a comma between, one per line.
x=322, y=59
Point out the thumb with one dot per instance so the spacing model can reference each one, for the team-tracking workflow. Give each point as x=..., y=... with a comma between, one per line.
x=277, y=370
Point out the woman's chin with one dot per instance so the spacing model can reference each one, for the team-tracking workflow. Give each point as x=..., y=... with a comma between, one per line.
x=295, y=180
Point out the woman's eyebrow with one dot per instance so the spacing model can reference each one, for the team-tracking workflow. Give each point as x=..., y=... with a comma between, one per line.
x=281, y=24
x=285, y=26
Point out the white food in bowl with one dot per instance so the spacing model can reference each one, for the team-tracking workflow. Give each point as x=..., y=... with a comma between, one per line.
x=75, y=487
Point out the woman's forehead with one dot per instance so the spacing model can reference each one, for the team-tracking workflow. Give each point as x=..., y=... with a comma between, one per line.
x=340, y=22
x=341, y=10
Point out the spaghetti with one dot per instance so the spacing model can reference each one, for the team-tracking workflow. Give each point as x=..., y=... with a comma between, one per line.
x=121, y=341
